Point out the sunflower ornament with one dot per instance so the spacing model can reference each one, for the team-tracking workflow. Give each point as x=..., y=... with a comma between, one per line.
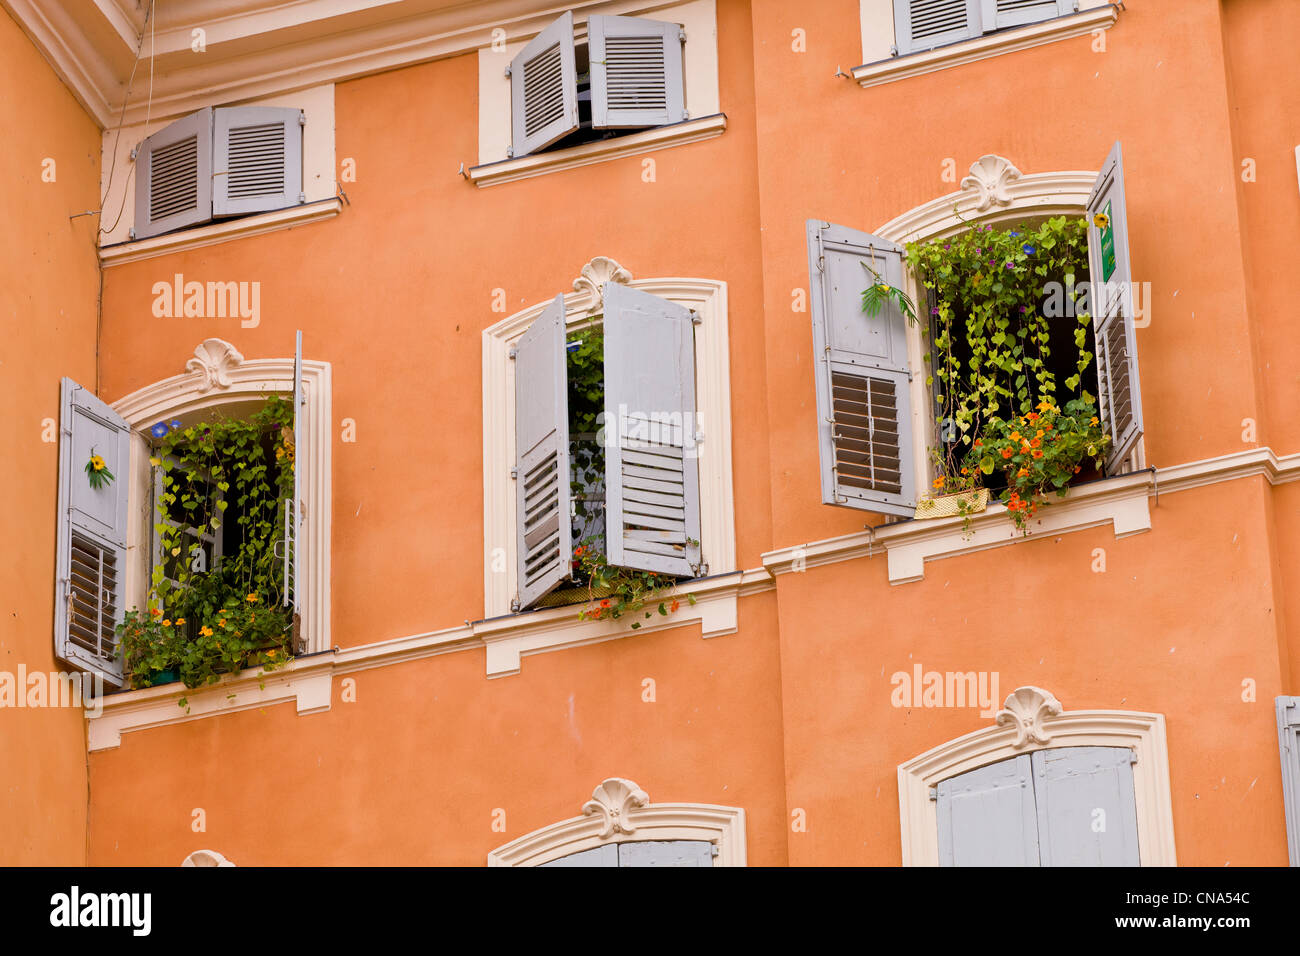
x=97, y=472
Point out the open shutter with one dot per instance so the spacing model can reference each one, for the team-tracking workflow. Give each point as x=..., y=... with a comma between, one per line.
x=1087, y=811
x=1288, y=732
x=987, y=818
x=544, y=89
x=1115, y=340
x=542, y=472
x=294, y=515
x=999, y=14
x=173, y=176
x=652, y=485
x=924, y=24
x=636, y=72
x=864, y=406
x=90, y=560
x=257, y=159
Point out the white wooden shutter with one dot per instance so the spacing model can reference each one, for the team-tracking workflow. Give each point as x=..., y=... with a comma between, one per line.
x=999, y=14
x=652, y=488
x=542, y=471
x=604, y=855
x=925, y=24
x=544, y=89
x=1288, y=732
x=987, y=816
x=1087, y=810
x=173, y=176
x=864, y=406
x=636, y=72
x=666, y=853
x=294, y=514
x=257, y=159
x=90, y=560
x=1115, y=340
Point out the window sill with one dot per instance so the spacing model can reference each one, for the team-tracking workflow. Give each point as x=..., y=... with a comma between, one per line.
x=994, y=44
x=208, y=235
x=525, y=167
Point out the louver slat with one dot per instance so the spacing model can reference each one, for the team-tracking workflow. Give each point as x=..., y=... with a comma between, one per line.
x=925, y=24
x=544, y=89
x=173, y=177
x=636, y=72
x=258, y=159
x=1011, y=13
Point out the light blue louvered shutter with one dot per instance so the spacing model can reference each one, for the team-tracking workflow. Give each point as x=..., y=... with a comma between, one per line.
x=925, y=24
x=294, y=514
x=652, y=488
x=666, y=853
x=544, y=535
x=636, y=72
x=999, y=14
x=604, y=855
x=1114, y=336
x=1288, y=733
x=1087, y=810
x=987, y=816
x=544, y=89
x=90, y=560
x=173, y=176
x=257, y=159
x=864, y=406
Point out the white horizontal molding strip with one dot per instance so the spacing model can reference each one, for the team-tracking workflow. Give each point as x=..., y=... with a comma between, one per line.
x=220, y=232
x=678, y=134
x=1121, y=502
x=993, y=44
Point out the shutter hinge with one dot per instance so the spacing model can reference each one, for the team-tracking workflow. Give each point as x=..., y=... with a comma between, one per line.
x=507, y=71
x=893, y=49
x=135, y=151
x=514, y=474
x=934, y=793
x=713, y=850
x=510, y=152
x=514, y=604
x=302, y=118
x=131, y=232
x=1132, y=756
x=696, y=319
x=302, y=198
x=513, y=352
x=681, y=34
x=686, y=114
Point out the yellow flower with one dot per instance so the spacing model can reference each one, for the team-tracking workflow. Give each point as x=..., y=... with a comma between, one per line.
x=155, y=462
x=96, y=462
x=1093, y=420
x=251, y=598
x=167, y=622
x=180, y=621
x=270, y=653
x=222, y=622
x=1039, y=434
x=205, y=631
x=1015, y=436
x=1044, y=406
x=1101, y=220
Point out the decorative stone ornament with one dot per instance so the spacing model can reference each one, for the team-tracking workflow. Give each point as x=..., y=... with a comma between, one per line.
x=213, y=360
x=595, y=274
x=1026, y=708
x=990, y=176
x=616, y=798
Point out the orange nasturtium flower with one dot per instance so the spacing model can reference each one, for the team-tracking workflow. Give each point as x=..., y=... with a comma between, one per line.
x=1032, y=416
x=167, y=622
x=222, y=622
x=1038, y=453
x=205, y=631
x=251, y=598
x=180, y=621
x=1006, y=453
x=1044, y=406
x=675, y=605
x=938, y=482
x=1015, y=436
x=1035, y=443
x=1022, y=472
x=1093, y=420
x=156, y=612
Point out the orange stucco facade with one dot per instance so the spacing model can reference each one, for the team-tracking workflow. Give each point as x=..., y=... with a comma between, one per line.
x=790, y=717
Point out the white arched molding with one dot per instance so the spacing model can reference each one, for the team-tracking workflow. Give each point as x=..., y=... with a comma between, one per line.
x=708, y=298
x=1032, y=719
x=621, y=812
x=218, y=375
x=206, y=858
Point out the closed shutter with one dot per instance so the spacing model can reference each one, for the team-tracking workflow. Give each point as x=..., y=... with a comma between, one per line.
x=924, y=24
x=987, y=817
x=544, y=89
x=173, y=176
x=257, y=159
x=652, y=488
x=90, y=560
x=636, y=72
x=542, y=491
x=1115, y=340
x=864, y=406
x=1288, y=732
x=1012, y=13
x=1087, y=812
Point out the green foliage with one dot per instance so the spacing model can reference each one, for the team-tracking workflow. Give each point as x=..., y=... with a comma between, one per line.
x=97, y=473
x=879, y=293
x=632, y=591
x=229, y=617
x=586, y=376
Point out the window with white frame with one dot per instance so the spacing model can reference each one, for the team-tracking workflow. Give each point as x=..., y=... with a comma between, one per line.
x=925, y=24
x=876, y=398
x=620, y=438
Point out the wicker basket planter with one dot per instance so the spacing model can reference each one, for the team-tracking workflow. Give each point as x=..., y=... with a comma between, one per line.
x=950, y=506
x=566, y=596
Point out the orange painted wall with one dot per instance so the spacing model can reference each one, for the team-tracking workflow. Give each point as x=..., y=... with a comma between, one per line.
x=49, y=290
x=793, y=711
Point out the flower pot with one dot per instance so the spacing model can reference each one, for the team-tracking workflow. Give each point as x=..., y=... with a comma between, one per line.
x=162, y=677
x=948, y=506
x=566, y=596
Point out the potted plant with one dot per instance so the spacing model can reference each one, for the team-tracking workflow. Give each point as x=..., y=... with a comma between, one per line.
x=615, y=591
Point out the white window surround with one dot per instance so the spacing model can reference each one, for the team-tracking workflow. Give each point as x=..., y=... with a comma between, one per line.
x=880, y=65
x=708, y=298
x=1032, y=719
x=621, y=812
x=219, y=375
x=700, y=62
x=318, y=182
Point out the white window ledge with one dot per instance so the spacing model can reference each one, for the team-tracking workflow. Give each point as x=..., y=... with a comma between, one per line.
x=539, y=164
x=308, y=680
x=1121, y=502
x=220, y=232
x=993, y=44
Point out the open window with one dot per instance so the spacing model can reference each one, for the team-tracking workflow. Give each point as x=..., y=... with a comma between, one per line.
x=907, y=360
x=218, y=164
x=925, y=24
x=605, y=442
x=625, y=76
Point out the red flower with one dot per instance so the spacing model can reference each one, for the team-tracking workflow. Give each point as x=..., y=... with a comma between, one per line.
x=1006, y=453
